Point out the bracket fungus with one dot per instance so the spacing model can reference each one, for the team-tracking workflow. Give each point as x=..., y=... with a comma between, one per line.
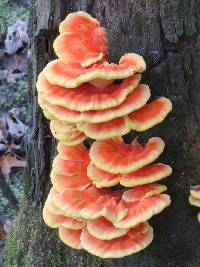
x=69, y=168
x=91, y=214
x=135, y=240
x=128, y=165
x=83, y=95
x=194, y=198
x=81, y=40
x=79, y=87
x=115, y=156
x=138, y=120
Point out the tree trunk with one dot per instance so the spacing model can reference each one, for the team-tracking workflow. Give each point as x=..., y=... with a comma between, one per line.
x=166, y=33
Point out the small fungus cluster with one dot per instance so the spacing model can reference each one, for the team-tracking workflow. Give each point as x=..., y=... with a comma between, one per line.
x=194, y=198
x=85, y=96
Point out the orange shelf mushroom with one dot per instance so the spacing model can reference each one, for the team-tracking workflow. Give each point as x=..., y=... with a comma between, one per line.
x=55, y=220
x=83, y=212
x=86, y=96
x=81, y=40
x=113, y=162
x=70, y=237
x=194, y=198
x=83, y=95
x=135, y=100
x=135, y=240
x=115, y=156
x=67, y=133
x=79, y=88
x=69, y=168
x=73, y=75
x=139, y=120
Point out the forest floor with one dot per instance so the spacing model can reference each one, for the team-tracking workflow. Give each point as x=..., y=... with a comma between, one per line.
x=13, y=92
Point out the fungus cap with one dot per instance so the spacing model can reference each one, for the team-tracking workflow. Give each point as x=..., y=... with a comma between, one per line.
x=139, y=120
x=71, y=160
x=42, y=104
x=195, y=191
x=150, y=114
x=114, y=156
x=194, y=201
x=55, y=220
x=141, y=192
x=145, y=175
x=91, y=203
x=73, y=75
x=69, y=168
x=62, y=127
x=67, y=133
x=65, y=167
x=76, y=153
x=102, y=178
x=103, y=229
x=79, y=140
x=72, y=138
x=62, y=182
x=133, y=101
x=70, y=237
x=109, y=206
x=81, y=40
x=141, y=211
x=135, y=240
x=49, y=204
x=105, y=130
x=86, y=96
x=78, y=22
x=72, y=201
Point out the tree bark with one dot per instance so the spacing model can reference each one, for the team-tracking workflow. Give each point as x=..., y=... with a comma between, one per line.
x=166, y=34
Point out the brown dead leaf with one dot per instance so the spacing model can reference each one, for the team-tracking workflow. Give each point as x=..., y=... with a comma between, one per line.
x=7, y=162
x=11, y=132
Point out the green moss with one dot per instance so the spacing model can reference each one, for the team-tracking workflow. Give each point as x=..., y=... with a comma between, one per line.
x=17, y=189
x=27, y=243
x=31, y=243
x=2, y=18
x=15, y=12
x=15, y=95
x=13, y=247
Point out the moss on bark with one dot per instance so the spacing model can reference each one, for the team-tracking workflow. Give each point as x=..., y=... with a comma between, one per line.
x=31, y=243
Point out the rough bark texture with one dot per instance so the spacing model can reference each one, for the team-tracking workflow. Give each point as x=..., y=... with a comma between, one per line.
x=166, y=33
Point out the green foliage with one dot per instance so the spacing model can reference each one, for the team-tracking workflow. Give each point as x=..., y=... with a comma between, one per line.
x=15, y=12
x=2, y=17
x=16, y=187
x=28, y=231
x=15, y=95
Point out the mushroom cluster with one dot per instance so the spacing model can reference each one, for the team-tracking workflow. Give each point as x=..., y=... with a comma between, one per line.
x=194, y=198
x=106, y=223
x=113, y=162
x=85, y=96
